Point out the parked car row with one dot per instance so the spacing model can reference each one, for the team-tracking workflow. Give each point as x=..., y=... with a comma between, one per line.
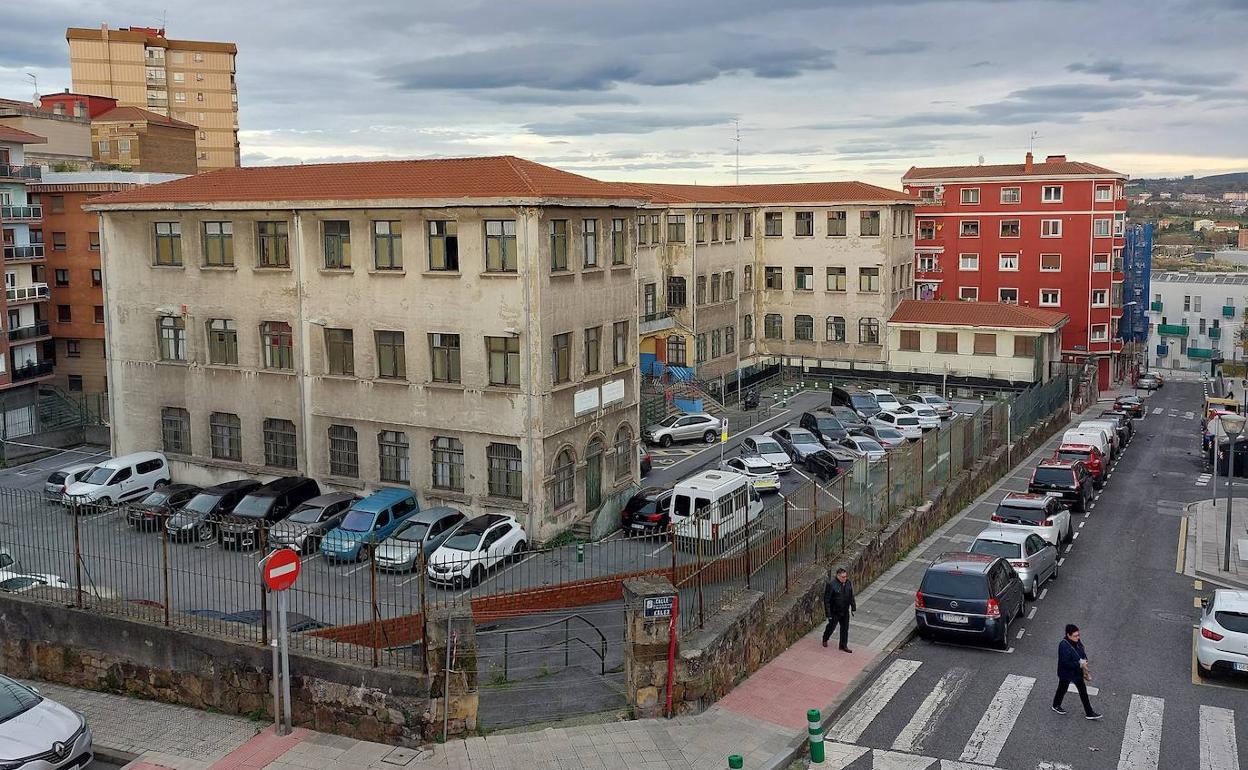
x=977, y=594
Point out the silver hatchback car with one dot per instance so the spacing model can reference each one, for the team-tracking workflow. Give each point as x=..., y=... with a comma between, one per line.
x=1033, y=558
x=40, y=734
x=686, y=426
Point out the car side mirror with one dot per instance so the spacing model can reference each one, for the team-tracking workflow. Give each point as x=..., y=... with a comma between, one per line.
x=1204, y=602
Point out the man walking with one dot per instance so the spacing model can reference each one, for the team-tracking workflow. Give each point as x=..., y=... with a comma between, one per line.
x=838, y=602
x=1072, y=667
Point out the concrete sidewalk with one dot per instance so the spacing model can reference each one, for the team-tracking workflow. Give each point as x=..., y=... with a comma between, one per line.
x=763, y=719
x=1206, y=538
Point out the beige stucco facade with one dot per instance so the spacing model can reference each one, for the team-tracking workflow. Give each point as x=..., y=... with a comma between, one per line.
x=537, y=416
x=1018, y=354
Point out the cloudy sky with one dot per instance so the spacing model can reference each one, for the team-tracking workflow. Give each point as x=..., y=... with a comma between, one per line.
x=650, y=89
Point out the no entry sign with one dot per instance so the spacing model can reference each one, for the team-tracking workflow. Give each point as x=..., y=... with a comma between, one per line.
x=281, y=569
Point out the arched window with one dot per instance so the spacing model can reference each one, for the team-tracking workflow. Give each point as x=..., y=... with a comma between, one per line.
x=564, y=491
x=623, y=452
x=593, y=475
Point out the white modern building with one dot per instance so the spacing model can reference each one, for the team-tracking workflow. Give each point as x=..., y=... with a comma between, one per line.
x=1195, y=318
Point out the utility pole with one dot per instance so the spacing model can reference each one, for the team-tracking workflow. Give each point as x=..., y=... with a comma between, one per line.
x=737, y=139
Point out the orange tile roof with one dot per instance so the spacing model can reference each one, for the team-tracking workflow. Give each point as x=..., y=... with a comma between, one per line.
x=1038, y=169
x=797, y=192
x=138, y=114
x=996, y=315
x=17, y=135
x=501, y=176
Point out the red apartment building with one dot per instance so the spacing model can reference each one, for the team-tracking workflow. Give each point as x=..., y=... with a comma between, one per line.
x=1046, y=235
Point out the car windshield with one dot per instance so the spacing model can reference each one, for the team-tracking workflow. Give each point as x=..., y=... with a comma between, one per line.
x=99, y=475
x=12, y=585
x=869, y=445
x=864, y=402
x=1071, y=454
x=155, y=498
x=306, y=514
x=1001, y=548
x=958, y=584
x=828, y=424
x=1035, y=515
x=670, y=421
x=907, y=420
x=933, y=400
x=15, y=699
x=888, y=433
x=202, y=503
x=1053, y=476
x=412, y=532
x=358, y=521
x=254, y=507
x=885, y=398
x=1232, y=621
x=465, y=541
x=802, y=437
x=649, y=506
x=768, y=447
x=57, y=478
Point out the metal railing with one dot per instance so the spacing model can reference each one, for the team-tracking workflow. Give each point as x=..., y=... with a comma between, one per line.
x=10, y=171
x=21, y=213
x=16, y=253
x=35, y=291
x=41, y=369
x=38, y=329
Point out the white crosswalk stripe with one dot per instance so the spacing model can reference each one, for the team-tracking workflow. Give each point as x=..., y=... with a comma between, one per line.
x=1203, y=479
x=933, y=707
x=1158, y=410
x=994, y=727
x=1141, y=739
x=849, y=728
x=1217, y=739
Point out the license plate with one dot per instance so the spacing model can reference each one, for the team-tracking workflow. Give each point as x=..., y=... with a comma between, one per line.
x=639, y=526
x=228, y=538
x=961, y=619
x=1240, y=666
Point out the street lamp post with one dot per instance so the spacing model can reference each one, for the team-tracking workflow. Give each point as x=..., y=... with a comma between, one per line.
x=1232, y=425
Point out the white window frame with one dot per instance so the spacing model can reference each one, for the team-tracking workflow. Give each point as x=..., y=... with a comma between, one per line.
x=1108, y=193
x=1001, y=227
x=1003, y=260
x=1055, y=303
x=1099, y=266
x=970, y=258
x=1045, y=196
x=962, y=228
x=1103, y=300
x=1001, y=295
x=1120, y=223
x=1017, y=196
x=968, y=293
x=927, y=263
x=1050, y=228
x=972, y=199
x=932, y=224
x=1098, y=333
x=1043, y=269
x=1102, y=227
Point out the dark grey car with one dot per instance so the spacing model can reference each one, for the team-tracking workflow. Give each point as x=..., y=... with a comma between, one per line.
x=424, y=531
x=798, y=442
x=308, y=523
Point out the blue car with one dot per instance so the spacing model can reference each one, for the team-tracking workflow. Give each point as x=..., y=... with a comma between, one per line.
x=369, y=521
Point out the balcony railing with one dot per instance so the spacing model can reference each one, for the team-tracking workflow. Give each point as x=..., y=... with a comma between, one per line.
x=23, y=253
x=1155, y=307
x=1163, y=351
x=41, y=369
x=157, y=102
x=39, y=329
x=657, y=321
x=155, y=80
x=1200, y=353
x=1228, y=311
x=21, y=213
x=1172, y=330
x=1215, y=332
x=34, y=292
x=20, y=172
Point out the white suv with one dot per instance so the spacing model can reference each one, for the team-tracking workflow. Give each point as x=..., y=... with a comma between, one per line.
x=1223, y=641
x=887, y=401
x=475, y=547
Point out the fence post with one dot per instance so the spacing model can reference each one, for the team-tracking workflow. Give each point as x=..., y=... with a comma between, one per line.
x=164, y=566
x=786, y=541
x=372, y=594
x=698, y=550
x=77, y=512
x=922, y=463
x=749, y=566
x=671, y=541
x=424, y=611
x=264, y=618
x=888, y=486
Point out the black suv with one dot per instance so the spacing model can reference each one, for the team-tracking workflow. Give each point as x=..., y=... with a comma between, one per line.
x=1068, y=480
x=198, y=519
x=646, y=513
x=969, y=595
x=265, y=505
x=827, y=428
x=857, y=399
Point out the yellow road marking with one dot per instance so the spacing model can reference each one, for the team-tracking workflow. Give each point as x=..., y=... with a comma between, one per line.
x=1196, y=602
x=1182, y=553
x=1199, y=585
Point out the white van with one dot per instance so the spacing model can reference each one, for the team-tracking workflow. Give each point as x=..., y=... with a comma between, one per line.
x=123, y=478
x=1110, y=428
x=710, y=511
x=1089, y=435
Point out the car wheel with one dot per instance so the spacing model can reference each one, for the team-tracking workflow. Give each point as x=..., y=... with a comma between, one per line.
x=519, y=551
x=205, y=532
x=710, y=436
x=1202, y=672
x=665, y=441
x=162, y=483
x=1004, y=641
x=1030, y=593
x=478, y=574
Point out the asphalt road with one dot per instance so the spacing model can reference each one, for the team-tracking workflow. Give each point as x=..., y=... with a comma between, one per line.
x=1119, y=584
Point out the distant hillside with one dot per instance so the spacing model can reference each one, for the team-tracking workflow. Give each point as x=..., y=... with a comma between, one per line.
x=1210, y=185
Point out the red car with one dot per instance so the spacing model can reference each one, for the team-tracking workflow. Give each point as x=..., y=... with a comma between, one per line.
x=1090, y=456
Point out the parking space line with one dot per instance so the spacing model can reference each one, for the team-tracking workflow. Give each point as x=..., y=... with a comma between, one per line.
x=1061, y=561
x=1020, y=633
x=1032, y=613
x=354, y=570
x=504, y=571
x=1081, y=524
x=1043, y=593
x=1076, y=535
x=1070, y=547
x=659, y=550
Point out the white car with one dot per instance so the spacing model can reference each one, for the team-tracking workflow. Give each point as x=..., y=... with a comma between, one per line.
x=864, y=446
x=475, y=548
x=887, y=401
x=1223, y=641
x=928, y=418
x=762, y=474
x=1041, y=514
x=17, y=582
x=905, y=424
x=37, y=733
x=940, y=405
x=770, y=450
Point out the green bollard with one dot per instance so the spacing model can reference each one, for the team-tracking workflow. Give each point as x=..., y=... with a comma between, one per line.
x=580, y=552
x=816, y=736
x=735, y=762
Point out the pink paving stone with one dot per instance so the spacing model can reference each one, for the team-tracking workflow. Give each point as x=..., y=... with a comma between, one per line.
x=138, y=765
x=261, y=750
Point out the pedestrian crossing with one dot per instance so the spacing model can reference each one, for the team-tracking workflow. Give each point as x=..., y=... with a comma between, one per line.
x=1017, y=699
x=1203, y=479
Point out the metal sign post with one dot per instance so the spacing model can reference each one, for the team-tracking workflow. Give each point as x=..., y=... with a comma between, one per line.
x=280, y=570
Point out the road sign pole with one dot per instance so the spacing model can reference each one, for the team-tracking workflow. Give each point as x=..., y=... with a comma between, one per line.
x=283, y=600
x=277, y=671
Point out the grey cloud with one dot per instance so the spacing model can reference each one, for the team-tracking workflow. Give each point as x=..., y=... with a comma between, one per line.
x=898, y=47
x=1114, y=69
x=527, y=96
x=590, y=123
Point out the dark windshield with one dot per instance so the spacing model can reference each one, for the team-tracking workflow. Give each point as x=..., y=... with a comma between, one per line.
x=957, y=584
x=828, y=424
x=57, y=478
x=15, y=699
x=881, y=432
x=802, y=437
x=358, y=521
x=1024, y=514
x=254, y=507
x=865, y=402
x=306, y=514
x=768, y=448
x=19, y=584
x=99, y=475
x=1054, y=476
x=413, y=532
x=466, y=541
x=670, y=421
x=202, y=503
x=1071, y=454
x=155, y=498
x=869, y=445
x=1232, y=621
x=996, y=548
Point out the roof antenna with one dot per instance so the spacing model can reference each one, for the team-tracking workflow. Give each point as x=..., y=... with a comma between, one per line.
x=35, y=80
x=981, y=160
x=737, y=139
x=1031, y=147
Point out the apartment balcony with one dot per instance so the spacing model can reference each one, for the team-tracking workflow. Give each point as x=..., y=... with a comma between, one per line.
x=1202, y=353
x=1163, y=351
x=36, y=292
x=33, y=371
x=657, y=321
x=8, y=171
x=1228, y=311
x=1155, y=307
x=156, y=80
x=23, y=253
x=1215, y=332
x=1172, y=330
x=33, y=332
x=157, y=102
x=21, y=213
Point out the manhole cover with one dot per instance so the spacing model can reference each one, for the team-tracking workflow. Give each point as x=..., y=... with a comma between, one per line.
x=1173, y=617
x=401, y=756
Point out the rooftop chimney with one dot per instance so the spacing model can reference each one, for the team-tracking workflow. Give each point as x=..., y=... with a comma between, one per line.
x=1055, y=159
x=1030, y=163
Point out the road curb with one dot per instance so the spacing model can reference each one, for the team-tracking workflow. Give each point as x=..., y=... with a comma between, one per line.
x=114, y=756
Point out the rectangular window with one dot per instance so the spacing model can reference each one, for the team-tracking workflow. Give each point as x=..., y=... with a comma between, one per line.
x=593, y=349
x=773, y=326
x=279, y=444
x=444, y=357
x=561, y=358
x=1052, y=193
x=714, y=228
x=388, y=245
x=970, y=195
x=910, y=340
x=837, y=224
x=340, y=352
x=804, y=278
x=730, y=288
x=730, y=339
x=444, y=246
x=747, y=327
x=985, y=344
x=1011, y=194
x=1050, y=228
x=60, y=242
x=676, y=292
x=99, y=314
x=699, y=228
x=803, y=328
x=641, y=230
x=171, y=336
x=1196, y=303
x=969, y=228
x=747, y=224
x=869, y=331
x=869, y=223
x=56, y=203
x=391, y=355
x=447, y=455
x=715, y=295
x=73, y=348
x=968, y=262
x=773, y=278
x=277, y=345
x=504, y=360
x=558, y=245
x=804, y=223
x=1100, y=263
x=927, y=229
x=1024, y=347
x=337, y=244
x=927, y=263
x=968, y=293
x=225, y=436
x=716, y=344
x=619, y=343
x=506, y=471
x=1050, y=263
x=1011, y=228
x=618, y=242
x=834, y=328
x=219, y=244
x=1100, y=332
x=168, y=243
x=654, y=230
x=729, y=228
x=273, y=244
x=344, y=452
x=675, y=228
x=97, y=277
x=1008, y=296
x=222, y=342
x=747, y=278
x=175, y=430
x=1104, y=192
x=500, y=246
x=1120, y=221
x=1050, y=297
x=93, y=241
x=868, y=279
x=63, y=315
x=589, y=237
x=1100, y=228
x=773, y=224
x=700, y=290
x=393, y=454
x=1100, y=298
x=61, y=276
x=946, y=342
x=1007, y=262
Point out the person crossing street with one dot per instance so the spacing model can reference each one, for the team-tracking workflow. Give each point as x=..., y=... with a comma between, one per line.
x=1072, y=668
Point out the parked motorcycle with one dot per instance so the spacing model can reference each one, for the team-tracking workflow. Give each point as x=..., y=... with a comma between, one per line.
x=750, y=400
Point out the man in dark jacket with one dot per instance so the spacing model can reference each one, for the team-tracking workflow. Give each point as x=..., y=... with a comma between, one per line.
x=838, y=602
x=1072, y=661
